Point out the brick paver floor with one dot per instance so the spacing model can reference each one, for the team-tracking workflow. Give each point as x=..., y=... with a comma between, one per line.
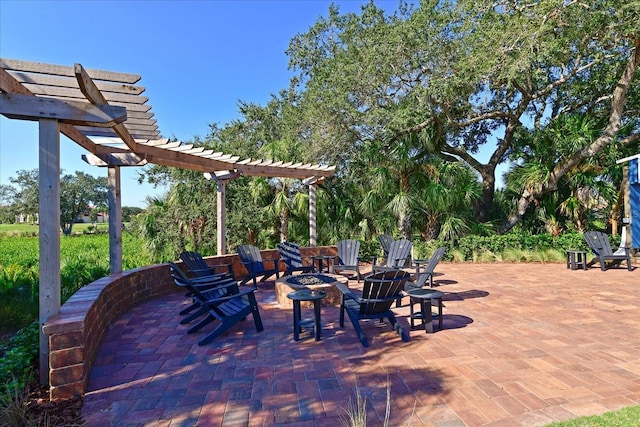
x=522, y=345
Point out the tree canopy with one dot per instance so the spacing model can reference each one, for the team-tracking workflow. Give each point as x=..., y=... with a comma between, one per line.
x=418, y=106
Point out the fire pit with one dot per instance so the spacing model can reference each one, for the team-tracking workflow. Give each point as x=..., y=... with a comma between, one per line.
x=314, y=281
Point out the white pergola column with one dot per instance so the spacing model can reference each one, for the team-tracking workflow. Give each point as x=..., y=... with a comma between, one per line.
x=221, y=217
x=115, y=220
x=49, y=233
x=313, y=231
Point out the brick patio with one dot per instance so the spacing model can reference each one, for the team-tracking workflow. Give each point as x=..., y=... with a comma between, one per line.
x=522, y=345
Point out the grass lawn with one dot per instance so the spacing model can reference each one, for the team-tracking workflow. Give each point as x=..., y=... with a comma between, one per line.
x=32, y=229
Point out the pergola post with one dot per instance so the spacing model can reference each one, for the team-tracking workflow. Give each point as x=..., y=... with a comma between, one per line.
x=221, y=225
x=115, y=220
x=313, y=233
x=49, y=233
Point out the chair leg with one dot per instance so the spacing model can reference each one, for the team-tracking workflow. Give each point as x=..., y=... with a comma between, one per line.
x=396, y=326
x=210, y=318
x=257, y=320
x=219, y=330
x=361, y=336
x=189, y=309
x=194, y=316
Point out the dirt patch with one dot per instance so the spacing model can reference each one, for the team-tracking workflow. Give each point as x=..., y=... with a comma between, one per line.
x=65, y=412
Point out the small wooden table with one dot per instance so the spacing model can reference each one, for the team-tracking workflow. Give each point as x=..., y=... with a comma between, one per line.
x=298, y=322
x=576, y=258
x=424, y=297
x=312, y=281
x=321, y=259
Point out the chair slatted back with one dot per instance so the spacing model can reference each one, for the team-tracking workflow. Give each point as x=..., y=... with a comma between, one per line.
x=381, y=290
x=196, y=264
x=348, y=252
x=427, y=274
x=251, y=258
x=598, y=242
x=290, y=253
x=399, y=253
x=385, y=242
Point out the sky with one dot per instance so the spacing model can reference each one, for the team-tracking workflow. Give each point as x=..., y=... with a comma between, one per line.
x=197, y=59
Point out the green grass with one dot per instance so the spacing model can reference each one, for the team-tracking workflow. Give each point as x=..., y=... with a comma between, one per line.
x=32, y=229
x=626, y=417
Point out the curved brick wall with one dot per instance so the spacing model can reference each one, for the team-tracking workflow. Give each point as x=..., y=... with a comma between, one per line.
x=75, y=334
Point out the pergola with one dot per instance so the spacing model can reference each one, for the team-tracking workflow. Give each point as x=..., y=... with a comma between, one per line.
x=106, y=114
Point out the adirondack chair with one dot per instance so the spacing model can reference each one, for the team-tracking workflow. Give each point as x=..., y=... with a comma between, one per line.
x=213, y=286
x=427, y=273
x=198, y=266
x=227, y=310
x=601, y=247
x=385, y=241
x=379, y=292
x=252, y=260
x=348, y=257
x=290, y=255
x=399, y=255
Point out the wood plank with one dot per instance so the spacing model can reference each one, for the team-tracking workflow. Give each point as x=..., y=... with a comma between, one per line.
x=49, y=233
x=71, y=82
x=62, y=70
x=76, y=93
x=115, y=220
x=28, y=107
x=115, y=159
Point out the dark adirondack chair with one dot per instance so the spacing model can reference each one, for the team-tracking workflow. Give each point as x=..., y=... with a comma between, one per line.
x=290, y=255
x=215, y=285
x=427, y=274
x=399, y=255
x=252, y=260
x=222, y=304
x=379, y=292
x=601, y=247
x=385, y=241
x=198, y=267
x=348, y=257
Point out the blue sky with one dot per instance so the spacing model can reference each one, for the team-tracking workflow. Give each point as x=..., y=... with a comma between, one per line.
x=197, y=59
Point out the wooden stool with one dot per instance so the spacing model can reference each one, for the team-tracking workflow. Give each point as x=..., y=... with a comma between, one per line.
x=576, y=258
x=298, y=322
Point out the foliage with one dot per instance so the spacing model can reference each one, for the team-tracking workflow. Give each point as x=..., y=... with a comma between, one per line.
x=510, y=247
x=18, y=356
x=475, y=72
x=625, y=417
x=79, y=193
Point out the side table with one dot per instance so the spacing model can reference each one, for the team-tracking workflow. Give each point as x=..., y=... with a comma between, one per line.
x=298, y=322
x=576, y=258
x=424, y=296
x=321, y=259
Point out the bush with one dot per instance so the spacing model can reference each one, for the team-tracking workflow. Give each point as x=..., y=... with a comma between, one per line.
x=18, y=356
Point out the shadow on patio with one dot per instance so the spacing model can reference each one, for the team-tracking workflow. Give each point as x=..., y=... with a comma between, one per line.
x=523, y=344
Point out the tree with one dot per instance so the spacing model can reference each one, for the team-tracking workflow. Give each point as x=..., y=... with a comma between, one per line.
x=128, y=212
x=475, y=70
x=78, y=193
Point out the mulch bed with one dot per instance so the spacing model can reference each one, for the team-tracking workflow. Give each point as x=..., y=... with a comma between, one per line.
x=65, y=412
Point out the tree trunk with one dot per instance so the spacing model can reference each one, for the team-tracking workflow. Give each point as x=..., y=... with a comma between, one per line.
x=615, y=120
x=284, y=225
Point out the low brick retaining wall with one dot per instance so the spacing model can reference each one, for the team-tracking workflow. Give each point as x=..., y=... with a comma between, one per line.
x=75, y=334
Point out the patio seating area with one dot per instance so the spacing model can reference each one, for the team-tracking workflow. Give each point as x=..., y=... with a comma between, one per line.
x=521, y=345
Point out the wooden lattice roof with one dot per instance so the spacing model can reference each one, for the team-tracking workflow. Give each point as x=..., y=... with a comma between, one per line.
x=134, y=139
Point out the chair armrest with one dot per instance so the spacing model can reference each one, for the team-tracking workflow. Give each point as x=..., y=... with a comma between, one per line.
x=215, y=285
x=383, y=268
x=205, y=280
x=228, y=297
x=348, y=293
